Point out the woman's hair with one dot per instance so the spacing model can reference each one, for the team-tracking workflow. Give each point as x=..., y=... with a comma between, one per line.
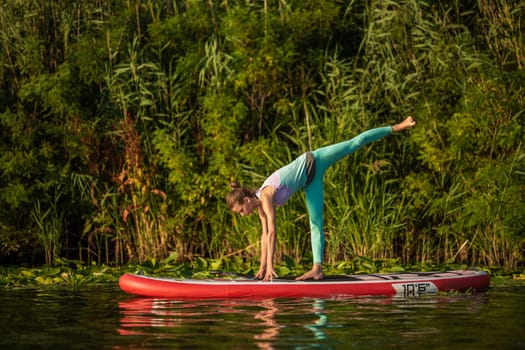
x=238, y=193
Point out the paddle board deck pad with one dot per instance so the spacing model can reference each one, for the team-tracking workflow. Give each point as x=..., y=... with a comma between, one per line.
x=405, y=284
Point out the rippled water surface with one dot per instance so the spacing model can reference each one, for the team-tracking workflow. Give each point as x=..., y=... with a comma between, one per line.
x=102, y=317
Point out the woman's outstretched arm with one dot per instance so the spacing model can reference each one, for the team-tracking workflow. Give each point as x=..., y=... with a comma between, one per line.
x=267, y=216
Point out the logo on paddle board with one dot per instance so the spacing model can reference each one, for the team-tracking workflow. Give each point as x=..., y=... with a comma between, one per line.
x=414, y=289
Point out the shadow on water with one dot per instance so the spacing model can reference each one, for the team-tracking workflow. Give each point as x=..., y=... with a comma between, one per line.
x=105, y=318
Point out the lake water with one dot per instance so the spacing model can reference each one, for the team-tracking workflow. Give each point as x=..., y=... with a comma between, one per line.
x=102, y=317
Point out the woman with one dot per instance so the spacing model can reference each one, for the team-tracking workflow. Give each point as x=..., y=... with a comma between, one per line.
x=306, y=172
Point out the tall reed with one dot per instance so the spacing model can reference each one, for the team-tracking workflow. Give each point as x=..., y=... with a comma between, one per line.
x=50, y=228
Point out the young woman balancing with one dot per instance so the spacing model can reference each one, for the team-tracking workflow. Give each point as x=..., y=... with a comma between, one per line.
x=306, y=172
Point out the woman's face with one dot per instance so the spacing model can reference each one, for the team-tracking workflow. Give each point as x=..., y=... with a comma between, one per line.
x=244, y=208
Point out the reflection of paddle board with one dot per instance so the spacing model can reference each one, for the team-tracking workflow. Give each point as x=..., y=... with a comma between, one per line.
x=403, y=284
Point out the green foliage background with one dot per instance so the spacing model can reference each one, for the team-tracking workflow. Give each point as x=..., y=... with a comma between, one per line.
x=122, y=123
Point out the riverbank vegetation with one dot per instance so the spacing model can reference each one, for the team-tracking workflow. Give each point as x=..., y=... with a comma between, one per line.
x=124, y=121
x=75, y=274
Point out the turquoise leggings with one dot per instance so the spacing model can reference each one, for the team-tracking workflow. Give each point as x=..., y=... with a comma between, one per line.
x=324, y=158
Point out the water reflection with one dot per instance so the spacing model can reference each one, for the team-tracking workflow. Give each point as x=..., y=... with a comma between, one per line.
x=322, y=322
x=93, y=318
x=261, y=320
x=271, y=330
x=141, y=313
x=296, y=323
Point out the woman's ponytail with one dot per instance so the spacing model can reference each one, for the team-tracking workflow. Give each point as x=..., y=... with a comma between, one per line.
x=238, y=193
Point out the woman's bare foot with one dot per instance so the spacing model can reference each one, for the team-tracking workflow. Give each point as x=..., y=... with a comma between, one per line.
x=316, y=273
x=405, y=124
